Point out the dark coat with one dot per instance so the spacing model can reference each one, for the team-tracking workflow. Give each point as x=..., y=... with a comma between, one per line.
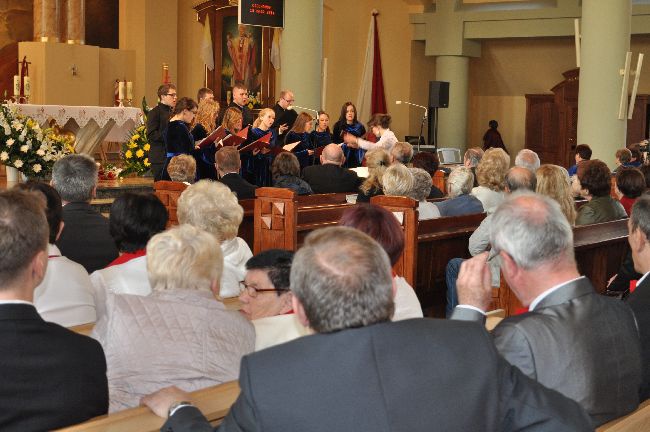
x=330, y=178
x=237, y=184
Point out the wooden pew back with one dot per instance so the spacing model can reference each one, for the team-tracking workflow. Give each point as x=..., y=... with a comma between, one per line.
x=247, y=226
x=168, y=193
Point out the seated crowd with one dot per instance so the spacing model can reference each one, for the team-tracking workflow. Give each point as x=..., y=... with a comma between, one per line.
x=331, y=324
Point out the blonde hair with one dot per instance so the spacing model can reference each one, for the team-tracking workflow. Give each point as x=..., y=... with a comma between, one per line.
x=262, y=114
x=398, y=181
x=206, y=115
x=182, y=168
x=377, y=160
x=211, y=206
x=183, y=257
x=230, y=118
x=552, y=181
x=491, y=171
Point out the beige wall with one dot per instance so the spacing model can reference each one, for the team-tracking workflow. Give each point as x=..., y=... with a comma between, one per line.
x=191, y=70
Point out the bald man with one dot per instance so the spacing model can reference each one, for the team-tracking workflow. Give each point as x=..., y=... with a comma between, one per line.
x=330, y=176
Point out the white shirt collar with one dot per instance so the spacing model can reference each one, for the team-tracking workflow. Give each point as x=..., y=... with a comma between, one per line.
x=3, y=302
x=642, y=279
x=546, y=293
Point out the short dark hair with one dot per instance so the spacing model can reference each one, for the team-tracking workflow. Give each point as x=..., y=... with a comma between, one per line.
x=164, y=89
x=185, y=103
x=640, y=217
x=53, y=209
x=378, y=223
x=379, y=119
x=645, y=170
x=426, y=160
x=493, y=124
x=624, y=155
x=595, y=177
x=285, y=164
x=277, y=265
x=631, y=182
x=23, y=232
x=202, y=92
x=584, y=151
x=135, y=218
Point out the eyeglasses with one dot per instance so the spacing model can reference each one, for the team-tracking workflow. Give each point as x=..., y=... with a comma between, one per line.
x=252, y=291
x=171, y=94
x=289, y=100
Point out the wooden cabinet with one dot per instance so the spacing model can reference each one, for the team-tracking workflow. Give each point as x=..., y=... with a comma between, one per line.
x=552, y=121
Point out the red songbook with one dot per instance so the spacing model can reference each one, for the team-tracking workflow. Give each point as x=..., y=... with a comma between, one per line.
x=217, y=135
x=319, y=151
x=237, y=139
x=258, y=145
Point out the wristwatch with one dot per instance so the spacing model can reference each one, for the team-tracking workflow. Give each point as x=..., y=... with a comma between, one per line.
x=176, y=405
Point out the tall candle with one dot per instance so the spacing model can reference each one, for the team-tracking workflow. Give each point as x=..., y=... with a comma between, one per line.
x=28, y=87
x=121, y=90
x=16, y=85
x=129, y=90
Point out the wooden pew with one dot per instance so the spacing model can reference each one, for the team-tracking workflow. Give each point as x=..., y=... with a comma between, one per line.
x=168, y=193
x=84, y=329
x=637, y=421
x=282, y=218
x=429, y=245
x=214, y=402
x=247, y=227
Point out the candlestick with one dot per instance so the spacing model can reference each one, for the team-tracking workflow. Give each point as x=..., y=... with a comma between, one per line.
x=28, y=87
x=16, y=86
x=129, y=90
x=121, y=89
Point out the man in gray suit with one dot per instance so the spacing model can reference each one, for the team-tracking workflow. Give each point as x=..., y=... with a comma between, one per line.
x=362, y=372
x=572, y=340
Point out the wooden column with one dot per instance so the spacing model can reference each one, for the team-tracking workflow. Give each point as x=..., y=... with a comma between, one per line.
x=76, y=21
x=46, y=20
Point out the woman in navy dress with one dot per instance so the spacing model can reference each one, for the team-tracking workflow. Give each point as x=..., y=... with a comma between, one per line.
x=263, y=159
x=178, y=139
x=204, y=122
x=301, y=133
x=348, y=123
x=322, y=135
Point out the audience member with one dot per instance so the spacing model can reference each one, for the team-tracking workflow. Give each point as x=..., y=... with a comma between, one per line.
x=553, y=181
x=65, y=294
x=623, y=159
x=286, y=174
x=594, y=183
x=630, y=184
x=397, y=180
x=637, y=156
x=365, y=373
x=460, y=202
x=555, y=343
x=402, y=152
x=491, y=174
x=182, y=168
x=330, y=176
x=517, y=179
x=645, y=170
x=420, y=192
x=639, y=299
x=180, y=334
x=204, y=123
x=85, y=238
x=429, y=162
x=134, y=219
x=228, y=165
x=527, y=158
x=212, y=207
x=51, y=377
x=266, y=299
x=157, y=121
x=379, y=126
x=383, y=227
x=377, y=160
x=583, y=153
x=471, y=160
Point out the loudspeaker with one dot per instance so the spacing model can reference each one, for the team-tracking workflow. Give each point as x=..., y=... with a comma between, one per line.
x=438, y=94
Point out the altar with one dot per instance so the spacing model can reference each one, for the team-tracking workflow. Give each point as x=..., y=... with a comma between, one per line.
x=92, y=125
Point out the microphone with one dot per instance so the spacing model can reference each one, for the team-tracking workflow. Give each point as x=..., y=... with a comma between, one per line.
x=291, y=107
x=426, y=110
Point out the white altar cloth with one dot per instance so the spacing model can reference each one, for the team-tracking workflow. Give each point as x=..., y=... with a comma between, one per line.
x=91, y=124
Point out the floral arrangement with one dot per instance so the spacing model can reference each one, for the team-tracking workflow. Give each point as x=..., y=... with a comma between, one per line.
x=27, y=147
x=135, y=152
x=108, y=172
x=254, y=101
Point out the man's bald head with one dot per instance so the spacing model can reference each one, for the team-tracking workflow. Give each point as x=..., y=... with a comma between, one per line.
x=520, y=178
x=332, y=154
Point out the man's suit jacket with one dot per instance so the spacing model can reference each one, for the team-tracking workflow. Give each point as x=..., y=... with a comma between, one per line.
x=51, y=377
x=330, y=178
x=85, y=238
x=639, y=301
x=414, y=375
x=237, y=184
x=577, y=342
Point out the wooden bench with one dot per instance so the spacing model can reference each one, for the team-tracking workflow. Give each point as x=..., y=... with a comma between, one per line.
x=168, y=193
x=282, y=218
x=214, y=402
x=637, y=421
x=247, y=227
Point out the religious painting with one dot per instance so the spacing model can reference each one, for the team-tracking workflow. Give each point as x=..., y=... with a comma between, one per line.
x=241, y=55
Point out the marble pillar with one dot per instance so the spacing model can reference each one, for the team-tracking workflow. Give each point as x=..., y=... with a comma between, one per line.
x=46, y=20
x=76, y=21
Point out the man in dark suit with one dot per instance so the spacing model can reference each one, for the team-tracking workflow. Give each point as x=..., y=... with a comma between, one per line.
x=284, y=115
x=239, y=101
x=330, y=176
x=639, y=299
x=51, y=377
x=157, y=121
x=561, y=340
x=228, y=165
x=85, y=238
x=362, y=372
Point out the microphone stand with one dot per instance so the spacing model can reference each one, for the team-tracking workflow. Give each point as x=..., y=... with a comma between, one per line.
x=424, y=118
